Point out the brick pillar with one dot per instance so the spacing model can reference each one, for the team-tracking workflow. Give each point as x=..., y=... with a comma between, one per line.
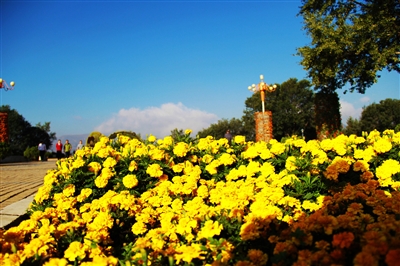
x=3, y=127
x=263, y=126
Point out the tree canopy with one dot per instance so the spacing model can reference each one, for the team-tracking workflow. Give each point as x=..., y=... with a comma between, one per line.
x=380, y=116
x=23, y=135
x=292, y=106
x=351, y=42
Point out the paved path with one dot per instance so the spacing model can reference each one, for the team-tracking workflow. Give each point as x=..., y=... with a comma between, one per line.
x=19, y=183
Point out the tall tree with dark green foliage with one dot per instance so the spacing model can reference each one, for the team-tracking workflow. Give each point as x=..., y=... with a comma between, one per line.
x=23, y=135
x=381, y=116
x=350, y=42
x=292, y=106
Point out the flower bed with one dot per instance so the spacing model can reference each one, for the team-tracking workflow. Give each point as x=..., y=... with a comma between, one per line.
x=204, y=202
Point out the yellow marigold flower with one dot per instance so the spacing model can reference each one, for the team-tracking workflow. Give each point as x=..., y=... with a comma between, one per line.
x=277, y=148
x=154, y=170
x=177, y=168
x=385, y=171
x=56, y=262
x=101, y=181
x=312, y=206
x=227, y=159
x=130, y=181
x=77, y=163
x=85, y=193
x=75, y=250
x=181, y=149
x=257, y=257
x=94, y=167
x=290, y=163
x=188, y=131
x=327, y=144
x=382, y=146
x=188, y=253
x=361, y=165
x=151, y=138
x=210, y=229
x=109, y=162
x=239, y=139
x=202, y=191
x=139, y=228
x=69, y=190
x=133, y=166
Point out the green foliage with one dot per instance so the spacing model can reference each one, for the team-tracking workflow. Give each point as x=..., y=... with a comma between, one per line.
x=327, y=112
x=351, y=42
x=93, y=138
x=31, y=153
x=219, y=129
x=353, y=126
x=129, y=134
x=4, y=150
x=292, y=106
x=23, y=135
x=381, y=116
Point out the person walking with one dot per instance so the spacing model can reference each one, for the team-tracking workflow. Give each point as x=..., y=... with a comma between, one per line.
x=42, y=151
x=79, y=146
x=59, y=147
x=67, y=148
x=228, y=136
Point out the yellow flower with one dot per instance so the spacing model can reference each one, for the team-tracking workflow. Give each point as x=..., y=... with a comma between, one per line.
x=94, y=167
x=188, y=253
x=154, y=170
x=210, y=229
x=382, y=146
x=56, y=262
x=75, y=250
x=109, y=162
x=151, y=138
x=133, y=166
x=85, y=193
x=239, y=139
x=188, y=131
x=181, y=149
x=130, y=181
x=69, y=190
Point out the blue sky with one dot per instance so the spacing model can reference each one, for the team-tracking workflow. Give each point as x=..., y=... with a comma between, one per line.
x=151, y=66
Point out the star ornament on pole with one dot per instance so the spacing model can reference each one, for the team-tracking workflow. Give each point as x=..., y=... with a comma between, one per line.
x=5, y=86
x=262, y=87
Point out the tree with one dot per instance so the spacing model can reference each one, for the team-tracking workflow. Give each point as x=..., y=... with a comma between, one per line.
x=351, y=41
x=353, y=126
x=219, y=129
x=292, y=106
x=22, y=135
x=381, y=116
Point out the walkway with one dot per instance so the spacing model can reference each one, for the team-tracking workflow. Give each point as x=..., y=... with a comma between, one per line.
x=19, y=183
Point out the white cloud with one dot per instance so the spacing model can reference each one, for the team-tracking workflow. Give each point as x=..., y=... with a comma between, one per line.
x=365, y=99
x=158, y=121
x=347, y=109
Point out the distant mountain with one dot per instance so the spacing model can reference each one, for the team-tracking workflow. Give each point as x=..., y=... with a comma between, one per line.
x=73, y=139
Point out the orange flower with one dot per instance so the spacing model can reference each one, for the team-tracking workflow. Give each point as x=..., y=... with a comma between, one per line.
x=393, y=257
x=365, y=258
x=343, y=240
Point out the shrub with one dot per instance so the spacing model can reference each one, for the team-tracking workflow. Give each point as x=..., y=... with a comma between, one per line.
x=4, y=150
x=31, y=153
x=205, y=202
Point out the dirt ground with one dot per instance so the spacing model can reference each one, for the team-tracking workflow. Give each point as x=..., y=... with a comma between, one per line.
x=21, y=179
